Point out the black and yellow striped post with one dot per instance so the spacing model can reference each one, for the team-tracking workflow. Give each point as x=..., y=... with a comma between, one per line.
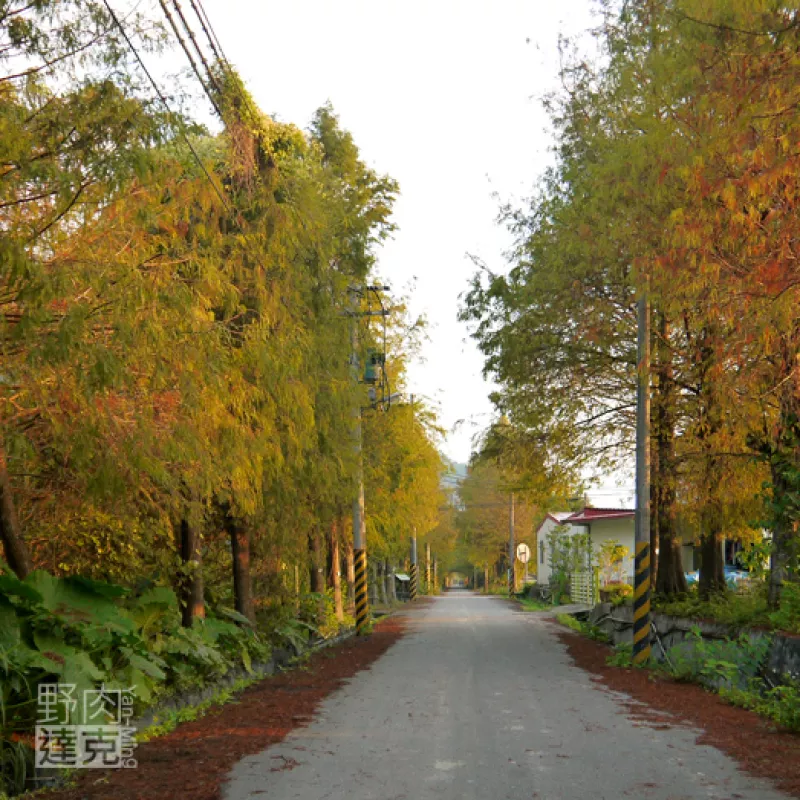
x=641, y=580
x=641, y=604
x=362, y=595
x=413, y=587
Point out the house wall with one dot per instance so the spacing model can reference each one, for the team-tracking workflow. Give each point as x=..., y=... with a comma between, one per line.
x=620, y=530
x=542, y=565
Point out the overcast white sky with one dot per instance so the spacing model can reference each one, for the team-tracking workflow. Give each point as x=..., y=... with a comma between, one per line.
x=445, y=97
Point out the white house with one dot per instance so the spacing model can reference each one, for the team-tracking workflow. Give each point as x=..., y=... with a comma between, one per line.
x=602, y=524
x=552, y=520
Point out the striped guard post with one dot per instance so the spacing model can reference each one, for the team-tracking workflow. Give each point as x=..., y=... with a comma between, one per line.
x=413, y=587
x=641, y=604
x=362, y=598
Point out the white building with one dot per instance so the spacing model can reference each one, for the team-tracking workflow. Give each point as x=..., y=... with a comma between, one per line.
x=602, y=524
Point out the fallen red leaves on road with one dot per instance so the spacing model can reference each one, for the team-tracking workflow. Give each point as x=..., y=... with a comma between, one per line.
x=750, y=739
x=193, y=760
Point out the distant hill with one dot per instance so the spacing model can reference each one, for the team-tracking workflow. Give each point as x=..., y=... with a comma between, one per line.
x=455, y=474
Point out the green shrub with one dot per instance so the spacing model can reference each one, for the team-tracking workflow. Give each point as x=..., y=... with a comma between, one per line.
x=787, y=617
x=570, y=622
x=618, y=592
x=727, y=608
x=622, y=655
x=82, y=632
x=721, y=664
x=780, y=704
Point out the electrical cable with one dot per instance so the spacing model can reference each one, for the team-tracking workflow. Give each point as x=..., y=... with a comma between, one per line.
x=166, y=105
x=219, y=52
x=190, y=34
x=185, y=48
x=213, y=40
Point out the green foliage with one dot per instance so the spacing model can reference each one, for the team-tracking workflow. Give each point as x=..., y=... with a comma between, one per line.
x=86, y=633
x=167, y=721
x=727, y=608
x=570, y=622
x=567, y=552
x=531, y=604
x=622, y=655
x=609, y=559
x=755, y=558
x=728, y=664
x=787, y=617
x=584, y=628
x=781, y=704
x=176, y=353
x=617, y=593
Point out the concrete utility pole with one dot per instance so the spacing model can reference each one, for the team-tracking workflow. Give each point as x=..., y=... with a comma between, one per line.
x=413, y=587
x=428, y=568
x=512, y=549
x=641, y=589
x=359, y=523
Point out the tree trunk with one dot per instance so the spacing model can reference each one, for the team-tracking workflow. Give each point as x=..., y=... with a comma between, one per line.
x=388, y=580
x=784, y=458
x=380, y=586
x=14, y=547
x=780, y=551
x=351, y=578
x=655, y=481
x=316, y=570
x=712, y=573
x=335, y=569
x=191, y=589
x=242, y=581
x=670, y=576
x=486, y=579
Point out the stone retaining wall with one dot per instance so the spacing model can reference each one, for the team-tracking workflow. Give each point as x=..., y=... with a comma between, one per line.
x=617, y=623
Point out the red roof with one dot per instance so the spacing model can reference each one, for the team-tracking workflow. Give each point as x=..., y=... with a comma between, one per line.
x=592, y=514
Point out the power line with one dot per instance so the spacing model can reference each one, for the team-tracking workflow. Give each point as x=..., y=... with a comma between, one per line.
x=211, y=35
x=216, y=49
x=185, y=48
x=190, y=34
x=166, y=105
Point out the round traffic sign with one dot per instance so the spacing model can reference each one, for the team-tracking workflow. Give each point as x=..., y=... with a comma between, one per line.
x=523, y=552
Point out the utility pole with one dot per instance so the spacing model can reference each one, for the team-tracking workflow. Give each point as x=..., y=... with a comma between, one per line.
x=359, y=523
x=413, y=587
x=641, y=589
x=428, y=568
x=512, y=552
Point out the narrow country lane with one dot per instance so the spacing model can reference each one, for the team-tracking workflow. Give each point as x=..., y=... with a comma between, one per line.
x=479, y=701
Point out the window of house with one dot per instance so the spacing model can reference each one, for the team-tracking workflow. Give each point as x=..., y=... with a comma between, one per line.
x=541, y=553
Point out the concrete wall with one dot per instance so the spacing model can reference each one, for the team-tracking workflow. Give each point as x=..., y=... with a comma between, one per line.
x=617, y=623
